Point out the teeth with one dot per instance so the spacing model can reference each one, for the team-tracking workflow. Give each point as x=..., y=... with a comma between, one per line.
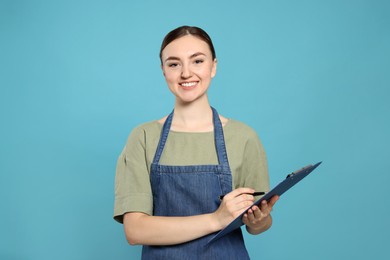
x=188, y=84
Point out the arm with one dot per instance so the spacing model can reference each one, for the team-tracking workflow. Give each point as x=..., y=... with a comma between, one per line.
x=144, y=229
x=254, y=174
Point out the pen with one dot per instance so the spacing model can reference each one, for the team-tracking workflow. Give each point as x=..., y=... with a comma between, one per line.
x=256, y=193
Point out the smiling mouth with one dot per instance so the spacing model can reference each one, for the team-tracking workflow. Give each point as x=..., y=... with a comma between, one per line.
x=189, y=84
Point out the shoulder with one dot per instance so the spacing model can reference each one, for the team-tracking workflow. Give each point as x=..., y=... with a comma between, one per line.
x=144, y=130
x=152, y=126
x=148, y=127
x=244, y=139
x=240, y=129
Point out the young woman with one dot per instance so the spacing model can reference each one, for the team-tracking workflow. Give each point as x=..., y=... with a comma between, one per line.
x=172, y=171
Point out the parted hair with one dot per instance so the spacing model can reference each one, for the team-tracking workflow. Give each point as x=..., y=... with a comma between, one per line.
x=187, y=30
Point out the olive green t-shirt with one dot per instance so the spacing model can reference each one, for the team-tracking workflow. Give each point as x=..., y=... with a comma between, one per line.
x=133, y=192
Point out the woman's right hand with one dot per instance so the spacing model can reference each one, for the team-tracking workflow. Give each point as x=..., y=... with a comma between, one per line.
x=232, y=205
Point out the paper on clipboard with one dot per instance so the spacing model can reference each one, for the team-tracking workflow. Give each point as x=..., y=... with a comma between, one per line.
x=279, y=189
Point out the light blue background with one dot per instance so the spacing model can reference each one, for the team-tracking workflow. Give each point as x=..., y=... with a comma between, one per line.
x=312, y=77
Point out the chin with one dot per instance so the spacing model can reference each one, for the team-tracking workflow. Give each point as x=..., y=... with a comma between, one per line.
x=187, y=99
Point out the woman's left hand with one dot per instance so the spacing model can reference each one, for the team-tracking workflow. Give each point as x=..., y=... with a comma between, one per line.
x=258, y=219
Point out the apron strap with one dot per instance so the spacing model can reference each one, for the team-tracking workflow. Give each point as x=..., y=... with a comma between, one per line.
x=163, y=138
x=219, y=139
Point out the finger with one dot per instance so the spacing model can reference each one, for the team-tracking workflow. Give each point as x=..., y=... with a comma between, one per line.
x=273, y=200
x=245, y=219
x=242, y=203
x=239, y=191
x=237, y=206
x=244, y=197
x=265, y=208
x=256, y=213
x=250, y=214
x=253, y=215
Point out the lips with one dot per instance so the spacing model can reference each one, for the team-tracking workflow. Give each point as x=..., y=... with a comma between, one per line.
x=188, y=85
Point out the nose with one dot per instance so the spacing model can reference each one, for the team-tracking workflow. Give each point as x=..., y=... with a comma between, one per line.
x=186, y=71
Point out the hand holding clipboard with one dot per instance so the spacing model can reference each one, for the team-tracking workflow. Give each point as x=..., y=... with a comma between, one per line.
x=278, y=190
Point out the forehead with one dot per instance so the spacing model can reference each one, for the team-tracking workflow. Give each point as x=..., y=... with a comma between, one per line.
x=186, y=46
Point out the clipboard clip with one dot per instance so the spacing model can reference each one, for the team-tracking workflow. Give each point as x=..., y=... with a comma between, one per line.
x=297, y=171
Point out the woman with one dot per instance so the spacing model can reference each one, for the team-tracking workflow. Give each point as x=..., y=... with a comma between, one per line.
x=172, y=172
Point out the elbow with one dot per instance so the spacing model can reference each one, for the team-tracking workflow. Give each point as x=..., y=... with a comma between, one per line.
x=132, y=241
x=133, y=229
x=132, y=238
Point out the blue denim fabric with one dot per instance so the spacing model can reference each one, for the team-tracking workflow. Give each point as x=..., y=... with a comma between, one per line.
x=193, y=190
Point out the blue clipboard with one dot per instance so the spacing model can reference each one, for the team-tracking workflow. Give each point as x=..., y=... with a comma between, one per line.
x=279, y=189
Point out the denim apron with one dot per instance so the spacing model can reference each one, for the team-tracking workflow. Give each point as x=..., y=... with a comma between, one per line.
x=193, y=190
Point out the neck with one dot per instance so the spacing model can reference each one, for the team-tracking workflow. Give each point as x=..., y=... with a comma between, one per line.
x=193, y=117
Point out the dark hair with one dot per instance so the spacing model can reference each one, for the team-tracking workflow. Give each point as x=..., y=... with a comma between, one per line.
x=187, y=30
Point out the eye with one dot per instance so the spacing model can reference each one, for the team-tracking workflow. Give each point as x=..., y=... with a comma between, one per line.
x=173, y=65
x=198, y=61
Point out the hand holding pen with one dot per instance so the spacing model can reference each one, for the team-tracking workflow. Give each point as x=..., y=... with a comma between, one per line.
x=257, y=218
x=233, y=204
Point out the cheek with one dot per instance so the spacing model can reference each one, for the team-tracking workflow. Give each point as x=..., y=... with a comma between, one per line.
x=168, y=77
x=208, y=74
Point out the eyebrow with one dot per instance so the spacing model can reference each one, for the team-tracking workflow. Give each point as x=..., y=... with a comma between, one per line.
x=196, y=54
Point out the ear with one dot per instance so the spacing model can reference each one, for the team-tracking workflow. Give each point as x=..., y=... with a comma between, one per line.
x=214, y=68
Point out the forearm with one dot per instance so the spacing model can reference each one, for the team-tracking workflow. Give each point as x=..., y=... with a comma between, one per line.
x=261, y=227
x=142, y=229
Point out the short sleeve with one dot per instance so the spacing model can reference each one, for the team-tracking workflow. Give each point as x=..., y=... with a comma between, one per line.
x=255, y=168
x=132, y=183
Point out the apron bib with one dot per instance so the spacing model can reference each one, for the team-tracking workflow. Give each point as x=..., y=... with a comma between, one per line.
x=193, y=190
